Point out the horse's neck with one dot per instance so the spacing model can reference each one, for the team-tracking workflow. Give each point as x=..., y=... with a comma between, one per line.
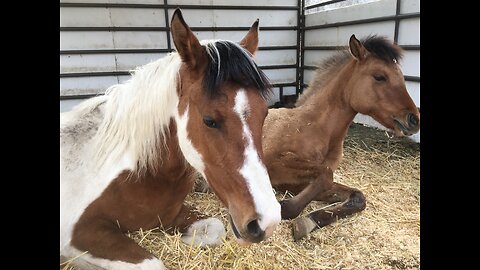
x=173, y=165
x=329, y=107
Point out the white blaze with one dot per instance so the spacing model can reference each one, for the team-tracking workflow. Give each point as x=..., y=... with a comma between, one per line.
x=255, y=173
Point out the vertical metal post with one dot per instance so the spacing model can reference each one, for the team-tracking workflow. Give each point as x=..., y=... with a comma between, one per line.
x=167, y=24
x=299, y=36
x=282, y=98
x=397, y=22
x=302, y=47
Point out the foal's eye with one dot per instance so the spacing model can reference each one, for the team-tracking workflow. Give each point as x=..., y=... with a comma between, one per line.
x=209, y=122
x=379, y=77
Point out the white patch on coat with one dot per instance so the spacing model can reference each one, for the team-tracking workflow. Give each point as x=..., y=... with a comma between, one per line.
x=255, y=173
x=205, y=232
x=87, y=261
x=189, y=152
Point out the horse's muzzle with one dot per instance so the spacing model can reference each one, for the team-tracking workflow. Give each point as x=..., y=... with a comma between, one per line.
x=250, y=233
x=408, y=126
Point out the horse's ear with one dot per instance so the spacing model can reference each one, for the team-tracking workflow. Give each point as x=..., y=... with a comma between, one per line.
x=185, y=41
x=357, y=49
x=250, y=41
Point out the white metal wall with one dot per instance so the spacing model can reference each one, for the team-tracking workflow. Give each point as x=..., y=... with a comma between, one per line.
x=408, y=34
x=110, y=41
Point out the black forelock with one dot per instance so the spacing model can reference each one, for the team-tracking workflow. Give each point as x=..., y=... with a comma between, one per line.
x=382, y=48
x=236, y=66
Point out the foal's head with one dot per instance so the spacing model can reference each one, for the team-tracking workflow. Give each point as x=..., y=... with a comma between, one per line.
x=221, y=111
x=378, y=87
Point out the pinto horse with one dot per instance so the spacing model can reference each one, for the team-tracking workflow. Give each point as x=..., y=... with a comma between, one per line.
x=303, y=145
x=129, y=157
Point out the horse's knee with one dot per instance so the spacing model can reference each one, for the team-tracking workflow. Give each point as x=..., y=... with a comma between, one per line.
x=204, y=232
x=356, y=201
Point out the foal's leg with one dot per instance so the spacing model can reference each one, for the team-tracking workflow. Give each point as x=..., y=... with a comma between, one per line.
x=108, y=248
x=198, y=229
x=323, y=181
x=352, y=201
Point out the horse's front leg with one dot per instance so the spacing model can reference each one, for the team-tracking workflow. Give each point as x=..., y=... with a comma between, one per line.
x=352, y=201
x=306, y=188
x=100, y=244
x=198, y=229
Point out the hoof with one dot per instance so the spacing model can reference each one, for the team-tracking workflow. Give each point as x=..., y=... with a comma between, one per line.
x=302, y=226
x=356, y=201
x=205, y=232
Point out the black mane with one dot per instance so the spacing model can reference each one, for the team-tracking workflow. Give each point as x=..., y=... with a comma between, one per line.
x=382, y=48
x=236, y=65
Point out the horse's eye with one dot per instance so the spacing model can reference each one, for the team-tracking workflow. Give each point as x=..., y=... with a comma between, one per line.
x=379, y=77
x=209, y=122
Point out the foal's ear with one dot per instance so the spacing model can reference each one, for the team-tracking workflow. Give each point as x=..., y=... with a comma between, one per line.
x=250, y=41
x=357, y=49
x=185, y=41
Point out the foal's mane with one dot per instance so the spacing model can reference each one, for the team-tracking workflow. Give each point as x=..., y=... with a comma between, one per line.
x=379, y=46
x=138, y=111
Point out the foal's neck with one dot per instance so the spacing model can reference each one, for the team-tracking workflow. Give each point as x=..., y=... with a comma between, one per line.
x=329, y=107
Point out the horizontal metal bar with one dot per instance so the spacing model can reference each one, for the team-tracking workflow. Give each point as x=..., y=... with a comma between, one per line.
x=240, y=28
x=283, y=84
x=406, y=77
x=369, y=20
x=93, y=74
x=327, y=48
x=113, y=28
x=410, y=47
x=107, y=51
x=113, y=51
x=412, y=78
x=278, y=67
x=324, y=4
x=155, y=28
x=162, y=6
x=275, y=48
x=125, y=72
x=309, y=67
x=69, y=97
x=324, y=48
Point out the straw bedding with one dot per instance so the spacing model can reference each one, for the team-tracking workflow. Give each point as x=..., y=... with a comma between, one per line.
x=386, y=235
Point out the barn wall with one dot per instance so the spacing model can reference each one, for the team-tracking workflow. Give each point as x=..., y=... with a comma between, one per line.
x=333, y=27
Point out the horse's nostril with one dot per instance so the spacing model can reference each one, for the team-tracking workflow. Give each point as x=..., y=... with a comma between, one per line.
x=412, y=120
x=254, y=230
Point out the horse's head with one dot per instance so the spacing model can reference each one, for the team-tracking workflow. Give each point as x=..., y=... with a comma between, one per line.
x=221, y=111
x=378, y=85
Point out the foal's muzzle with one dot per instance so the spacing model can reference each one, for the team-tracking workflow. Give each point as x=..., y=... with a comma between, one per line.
x=409, y=125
